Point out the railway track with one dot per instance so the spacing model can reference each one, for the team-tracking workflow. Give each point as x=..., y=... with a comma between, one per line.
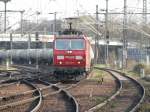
x=19, y=98
x=74, y=85
x=55, y=98
x=7, y=75
x=31, y=100
x=127, y=98
x=21, y=73
x=90, y=92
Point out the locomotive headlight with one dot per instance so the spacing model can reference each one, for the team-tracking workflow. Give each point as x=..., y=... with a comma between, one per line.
x=78, y=62
x=60, y=57
x=79, y=57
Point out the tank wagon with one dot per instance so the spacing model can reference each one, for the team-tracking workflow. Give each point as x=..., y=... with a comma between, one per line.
x=24, y=56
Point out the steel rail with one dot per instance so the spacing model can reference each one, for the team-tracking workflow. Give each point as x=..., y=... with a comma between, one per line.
x=39, y=97
x=4, y=85
x=18, y=103
x=142, y=90
x=111, y=97
x=65, y=92
x=23, y=93
x=135, y=107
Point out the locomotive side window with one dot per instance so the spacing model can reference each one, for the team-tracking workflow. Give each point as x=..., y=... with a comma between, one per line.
x=69, y=44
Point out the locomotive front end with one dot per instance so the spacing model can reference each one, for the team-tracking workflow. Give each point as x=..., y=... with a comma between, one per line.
x=69, y=55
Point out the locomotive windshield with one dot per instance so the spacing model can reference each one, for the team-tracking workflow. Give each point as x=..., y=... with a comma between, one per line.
x=69, y=44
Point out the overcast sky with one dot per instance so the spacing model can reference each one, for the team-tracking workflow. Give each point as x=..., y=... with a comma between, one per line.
x=64, y=7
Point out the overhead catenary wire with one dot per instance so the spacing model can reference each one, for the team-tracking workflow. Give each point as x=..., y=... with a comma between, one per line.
x=135, y=28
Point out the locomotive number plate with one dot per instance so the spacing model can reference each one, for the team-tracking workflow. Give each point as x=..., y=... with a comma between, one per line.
x=70, y=57
x=69, y=62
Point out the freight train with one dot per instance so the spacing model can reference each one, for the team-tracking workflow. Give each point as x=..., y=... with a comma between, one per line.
x=72, y=54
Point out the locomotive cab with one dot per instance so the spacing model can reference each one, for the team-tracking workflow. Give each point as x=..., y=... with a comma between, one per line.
x=71, y=54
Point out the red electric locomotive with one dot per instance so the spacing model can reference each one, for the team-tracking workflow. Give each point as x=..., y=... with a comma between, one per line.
x=72, y=54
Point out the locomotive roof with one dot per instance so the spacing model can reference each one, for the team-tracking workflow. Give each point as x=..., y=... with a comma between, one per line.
x=70, y=36
x=70, y=33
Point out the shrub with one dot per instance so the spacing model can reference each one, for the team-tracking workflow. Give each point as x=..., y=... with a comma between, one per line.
x=138, y=67
x=147, y=70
